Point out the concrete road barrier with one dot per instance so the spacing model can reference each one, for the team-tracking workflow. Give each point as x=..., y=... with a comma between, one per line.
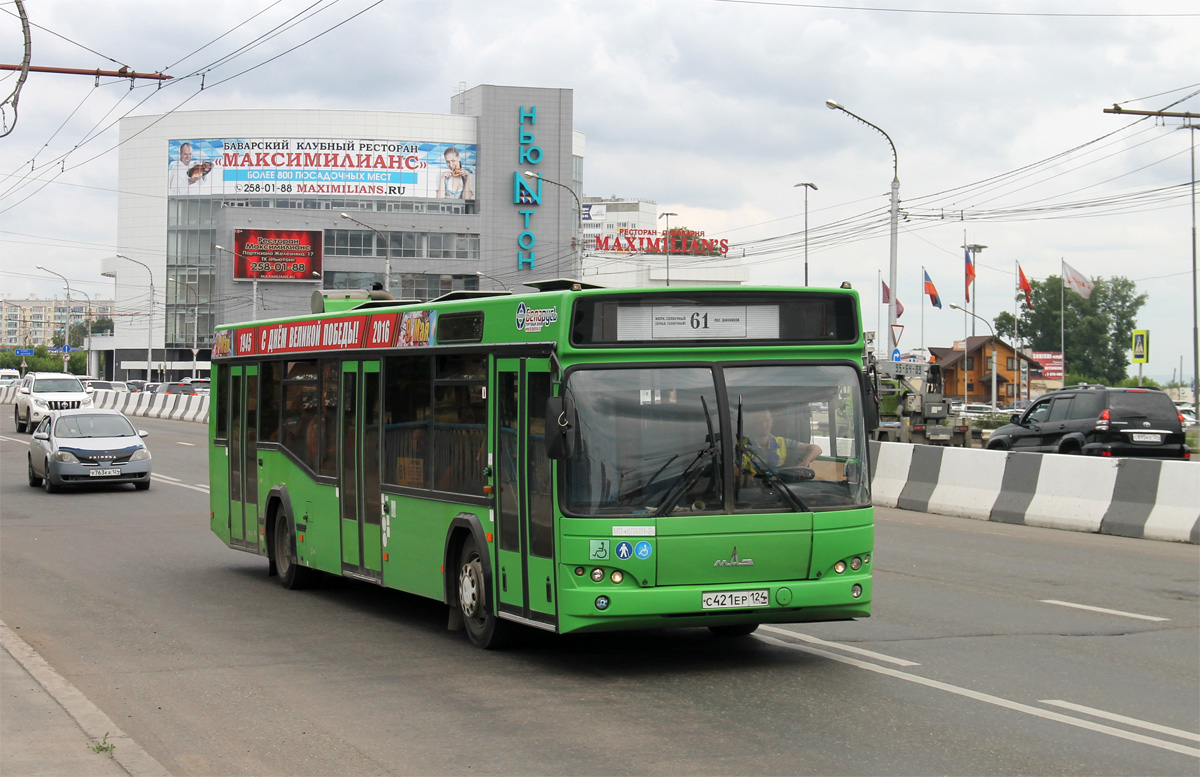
x=1146, y=498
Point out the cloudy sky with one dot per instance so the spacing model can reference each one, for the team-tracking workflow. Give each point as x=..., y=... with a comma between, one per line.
x=714, y=109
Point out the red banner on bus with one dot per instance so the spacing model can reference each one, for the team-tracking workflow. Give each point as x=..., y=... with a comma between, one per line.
x=277, y=254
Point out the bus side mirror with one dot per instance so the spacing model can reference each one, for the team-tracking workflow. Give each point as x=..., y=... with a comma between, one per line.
x=870, y=401
x=560, y=427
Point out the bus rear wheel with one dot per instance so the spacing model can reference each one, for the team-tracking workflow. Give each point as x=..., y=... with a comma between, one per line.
x=474, y=599
x=291, y=575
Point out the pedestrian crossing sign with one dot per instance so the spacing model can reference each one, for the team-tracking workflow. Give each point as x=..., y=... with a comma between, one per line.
x=1141, y=346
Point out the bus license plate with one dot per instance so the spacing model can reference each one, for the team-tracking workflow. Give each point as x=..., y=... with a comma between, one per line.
x=99, y=473
x=729, y=599
x=1142, y=437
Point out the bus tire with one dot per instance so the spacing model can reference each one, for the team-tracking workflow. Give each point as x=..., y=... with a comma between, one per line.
x=734, y=630
x=292, y=576
x=474, y=600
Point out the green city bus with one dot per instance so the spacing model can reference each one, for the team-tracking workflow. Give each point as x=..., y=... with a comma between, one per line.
x=570, y=459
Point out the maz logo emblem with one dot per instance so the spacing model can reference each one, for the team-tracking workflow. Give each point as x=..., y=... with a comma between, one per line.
x=734, y=561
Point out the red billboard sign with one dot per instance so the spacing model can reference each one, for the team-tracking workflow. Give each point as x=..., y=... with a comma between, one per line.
x=1052, y=364
x=277, y=254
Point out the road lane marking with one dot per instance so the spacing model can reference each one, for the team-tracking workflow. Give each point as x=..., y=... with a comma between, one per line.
x=1095, y=713
x=189, y=444
x=11, y=439
x=177, y=482
x=839, y=646
x=1103, y=610
x=987, y=698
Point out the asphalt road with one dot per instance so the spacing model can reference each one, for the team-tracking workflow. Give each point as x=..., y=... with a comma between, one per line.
x=979, y=658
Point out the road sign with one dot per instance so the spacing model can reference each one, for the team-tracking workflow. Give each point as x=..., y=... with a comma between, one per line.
x=895, y=354
x=897, y=330
x=1141, y=346
x=24, y=352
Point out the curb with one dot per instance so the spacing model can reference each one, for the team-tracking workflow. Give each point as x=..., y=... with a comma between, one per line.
x=91, y=719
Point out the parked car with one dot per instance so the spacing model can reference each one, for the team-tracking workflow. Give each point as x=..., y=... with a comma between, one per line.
x=72, y=447
x=976, y=410
x=41, y=392
x=175, y=388
x=106, y=385
x=1098, y=421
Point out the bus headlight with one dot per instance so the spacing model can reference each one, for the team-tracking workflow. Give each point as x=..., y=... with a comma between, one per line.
x=856, y=590
x=597, y=574
x=856, y=563
x=839, y=567
x=616, y=576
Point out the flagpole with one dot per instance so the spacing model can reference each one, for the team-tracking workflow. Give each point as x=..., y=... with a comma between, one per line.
x=878, y=320
x=1062, y=316
x=923, y=311
x=1017, y=329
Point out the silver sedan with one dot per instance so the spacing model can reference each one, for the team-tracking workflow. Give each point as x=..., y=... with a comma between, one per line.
x=73, y=447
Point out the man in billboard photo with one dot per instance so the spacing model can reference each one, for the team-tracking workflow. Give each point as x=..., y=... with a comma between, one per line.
x=456, y=182
x=188, y=176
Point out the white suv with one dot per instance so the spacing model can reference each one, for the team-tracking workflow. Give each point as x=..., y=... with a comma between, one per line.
x=41, y=392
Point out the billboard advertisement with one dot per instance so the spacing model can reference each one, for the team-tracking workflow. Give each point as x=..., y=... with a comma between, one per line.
x=277, y=254
x=305, y=167
x=1052, y=364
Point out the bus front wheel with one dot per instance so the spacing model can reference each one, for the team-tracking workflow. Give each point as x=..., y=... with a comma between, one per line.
x=291, y=575
x=482, y=626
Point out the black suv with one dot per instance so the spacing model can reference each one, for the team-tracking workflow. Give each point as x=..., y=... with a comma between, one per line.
x=1098, y=421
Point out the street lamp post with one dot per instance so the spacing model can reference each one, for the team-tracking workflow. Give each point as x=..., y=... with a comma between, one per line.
x=67, y=329
x=490, y=278
x=995, y=356
x=87, y=332
x=668, y=218
x=895, y=221
x=253, y=288
x=149, y=321
x=195, y=317
x=387, y=249
x=579, y=214
x=807, y=186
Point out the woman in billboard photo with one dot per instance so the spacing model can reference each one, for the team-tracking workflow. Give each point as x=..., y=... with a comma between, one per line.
x=187, y=175
x=456, y=182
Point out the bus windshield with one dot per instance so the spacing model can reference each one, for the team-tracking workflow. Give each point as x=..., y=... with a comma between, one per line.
x=655, y=441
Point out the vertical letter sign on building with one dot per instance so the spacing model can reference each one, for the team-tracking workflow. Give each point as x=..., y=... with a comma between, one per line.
x=277, y=254
x=527, y=154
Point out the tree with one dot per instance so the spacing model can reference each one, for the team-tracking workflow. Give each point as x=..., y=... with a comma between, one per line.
x=1097, y=330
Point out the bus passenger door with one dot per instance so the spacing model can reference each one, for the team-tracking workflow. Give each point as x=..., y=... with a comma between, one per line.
x=243, y=456
x=524, y=571
x=358, y=470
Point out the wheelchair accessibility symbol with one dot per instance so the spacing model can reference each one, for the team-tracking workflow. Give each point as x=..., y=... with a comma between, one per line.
x=643, y=550
x=624, y=550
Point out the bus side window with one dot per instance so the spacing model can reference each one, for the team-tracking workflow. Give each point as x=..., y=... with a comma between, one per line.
x=407, y=411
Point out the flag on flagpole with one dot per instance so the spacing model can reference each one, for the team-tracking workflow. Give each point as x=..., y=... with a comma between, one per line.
x=931, y=290
x=887, y=298
x=1023, y=285
x=1077, y=281
x=970, y=268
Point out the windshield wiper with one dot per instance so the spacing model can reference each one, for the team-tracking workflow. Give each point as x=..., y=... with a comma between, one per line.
x=691, y=473
x=761, y=470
